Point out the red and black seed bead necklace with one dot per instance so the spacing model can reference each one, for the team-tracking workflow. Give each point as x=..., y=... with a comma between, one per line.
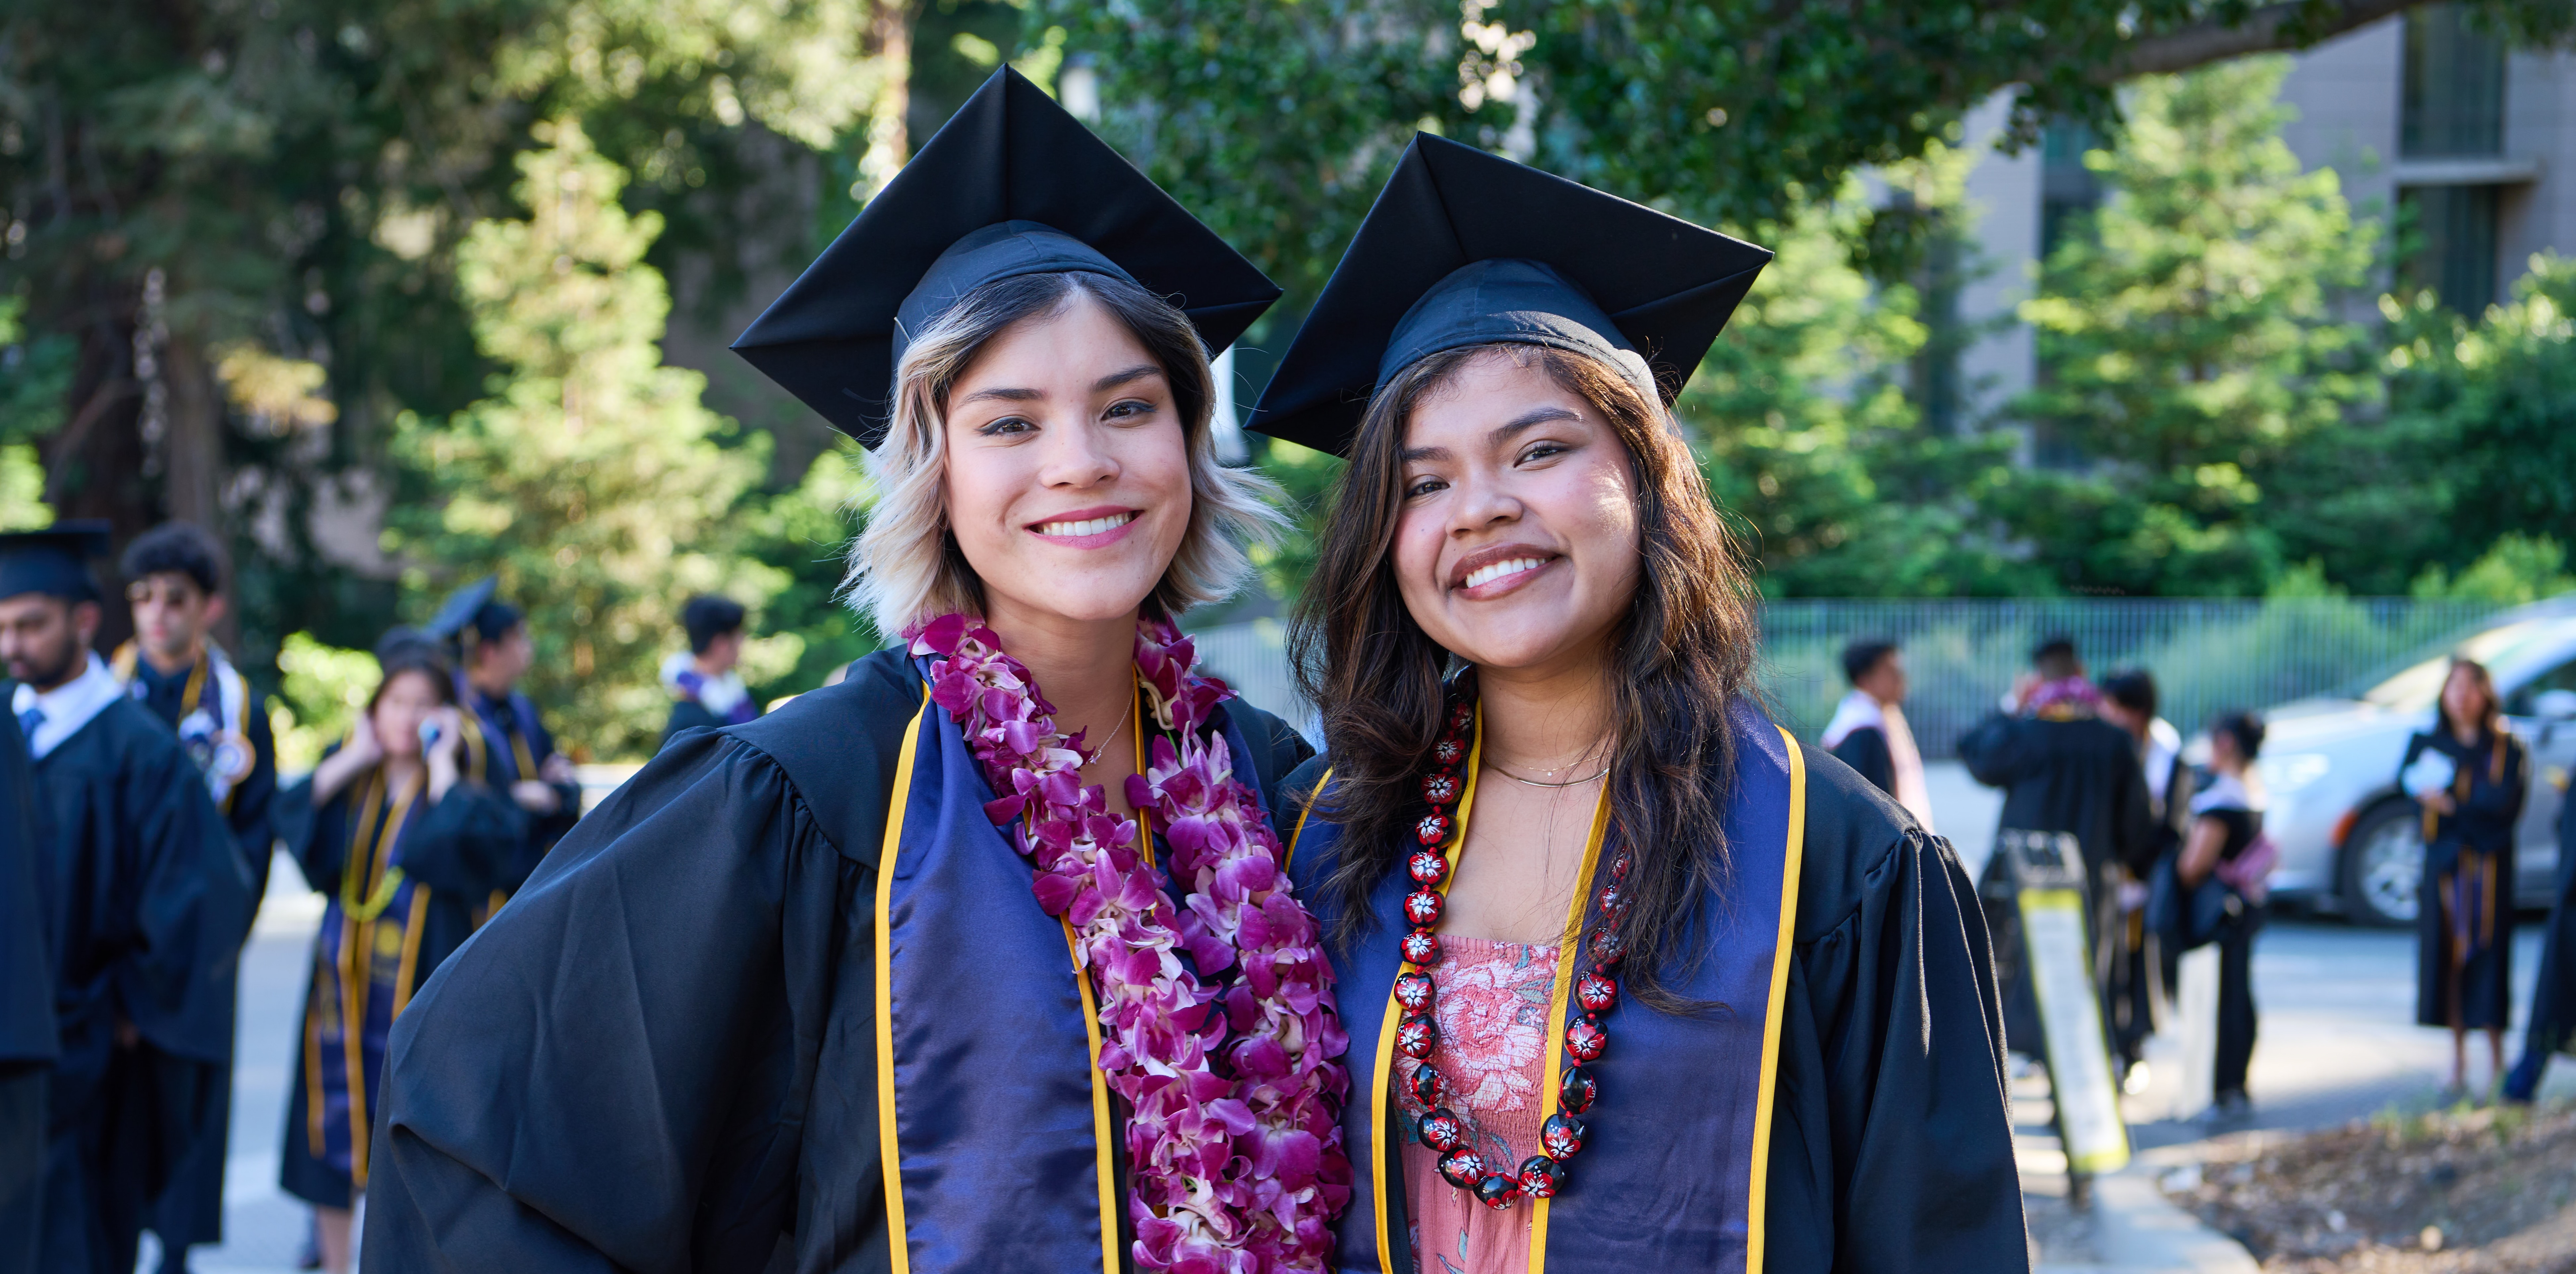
x=1417, y=1035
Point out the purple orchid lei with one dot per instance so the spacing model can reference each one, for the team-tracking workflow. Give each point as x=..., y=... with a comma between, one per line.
x=1236, y=1169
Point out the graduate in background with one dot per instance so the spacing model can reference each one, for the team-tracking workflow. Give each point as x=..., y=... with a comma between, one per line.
x=2552, y=1025
x=2145, y=969
x=1868, y=732
x=2470, y=775
x=1555, y=830
x=2063, y=768
x=509, y=746
x=27, y=1045
x=149, y=901
x=408, y=849
x=706, y=692
x=173, y=667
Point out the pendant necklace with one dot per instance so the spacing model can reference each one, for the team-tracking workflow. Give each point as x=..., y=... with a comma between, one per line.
x=1417, y=1035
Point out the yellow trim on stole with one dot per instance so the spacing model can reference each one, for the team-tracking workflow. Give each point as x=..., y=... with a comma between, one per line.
x=1793, y=858
x=890, y=1162
x=1385, y=1070
x=1568, y=950
x=1311, y=798
x=1101, y=1164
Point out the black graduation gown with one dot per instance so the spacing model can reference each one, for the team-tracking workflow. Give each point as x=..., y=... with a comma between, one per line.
x=1866, y=751
x=2552, y=1025
x=510, y=743
x=2077, y=775
x=27, y=1044
x=1891, y=1144
x=459, y=851
x=150, y=904
x=688, y=714
x=2475, y=992
x=660, y=1056
x=192, y=1210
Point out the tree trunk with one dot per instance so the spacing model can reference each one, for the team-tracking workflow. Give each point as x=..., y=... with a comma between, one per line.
x=890, y=43
x=192, y=456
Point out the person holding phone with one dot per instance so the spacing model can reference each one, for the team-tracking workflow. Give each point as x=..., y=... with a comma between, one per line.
x=406, y=847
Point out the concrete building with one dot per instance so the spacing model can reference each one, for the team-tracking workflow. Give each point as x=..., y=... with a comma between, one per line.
x=2415, y=113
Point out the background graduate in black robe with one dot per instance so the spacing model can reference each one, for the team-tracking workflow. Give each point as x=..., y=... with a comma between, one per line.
x=1802, y=1070
x=706, y=691
x=175, y=587
x=2464, y=927
x=149, y=901
x=2063, y=769
x=409, y=849
x=27, y=1045
x=2551, y=1027
x=510, y=747
x=786, y=1000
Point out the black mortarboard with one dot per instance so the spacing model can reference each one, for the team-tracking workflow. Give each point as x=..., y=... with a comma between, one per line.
x=1012, y=185
x=54, y=561
x=462, y=608
x=1466, y=248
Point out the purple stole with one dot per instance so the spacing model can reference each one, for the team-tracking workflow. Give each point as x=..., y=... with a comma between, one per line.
x=1675, y=1166
x=996, y=1131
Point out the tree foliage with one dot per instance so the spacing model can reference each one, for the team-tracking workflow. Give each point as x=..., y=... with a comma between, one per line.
x=592, y=480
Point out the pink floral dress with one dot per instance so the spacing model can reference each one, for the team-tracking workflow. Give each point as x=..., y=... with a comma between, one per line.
x=1493, y=1007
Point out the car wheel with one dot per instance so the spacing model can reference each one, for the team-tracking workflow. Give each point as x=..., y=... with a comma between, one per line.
x=2383, y=864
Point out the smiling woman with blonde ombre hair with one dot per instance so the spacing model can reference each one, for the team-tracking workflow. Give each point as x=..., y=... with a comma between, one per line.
x=982, y=959
x=1634, y=979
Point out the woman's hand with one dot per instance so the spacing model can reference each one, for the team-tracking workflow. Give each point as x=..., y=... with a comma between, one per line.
x=442, y=756
x=355, y=757
x=2440, y=803
x=2200, y=853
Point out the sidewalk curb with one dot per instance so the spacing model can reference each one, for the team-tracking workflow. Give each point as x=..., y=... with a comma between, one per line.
x=2137, y=1231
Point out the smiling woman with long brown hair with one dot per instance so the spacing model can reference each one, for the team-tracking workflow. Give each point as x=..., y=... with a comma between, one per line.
x=1634, y=980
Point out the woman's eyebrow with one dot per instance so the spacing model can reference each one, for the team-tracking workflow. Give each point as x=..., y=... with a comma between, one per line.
x=1115, y=379
x=1007, y=395
x=1531, y=419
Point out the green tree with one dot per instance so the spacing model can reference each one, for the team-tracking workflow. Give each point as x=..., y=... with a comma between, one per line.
x=592, y=480
x=2194, y=336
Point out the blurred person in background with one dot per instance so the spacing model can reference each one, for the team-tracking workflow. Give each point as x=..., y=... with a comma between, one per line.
x=509, y=746
x=706, y=692
x=2227, y=855
x=148, y=902
x=407, y=849
x=27, y=1045
x=2551, y=1026
x=173, y=667
x=2063, y=768
x=2470, y=775
x=1868, y=732
x=2145, y=969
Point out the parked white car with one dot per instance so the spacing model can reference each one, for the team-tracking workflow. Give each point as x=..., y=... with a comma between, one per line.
x=2350, y=839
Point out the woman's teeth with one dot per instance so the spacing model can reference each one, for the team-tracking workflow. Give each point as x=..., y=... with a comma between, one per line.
x=1488, y=574
x=1088, y=526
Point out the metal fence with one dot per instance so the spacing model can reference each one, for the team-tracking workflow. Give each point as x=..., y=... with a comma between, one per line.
x=2208, y=654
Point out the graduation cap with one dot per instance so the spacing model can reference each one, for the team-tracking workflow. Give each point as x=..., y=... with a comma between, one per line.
x=1012, y=185
x=472, y=606
x=1466, y=248
x=54, y=561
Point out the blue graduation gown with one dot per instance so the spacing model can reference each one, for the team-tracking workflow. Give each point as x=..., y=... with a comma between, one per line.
x=192, y=1210
x=27, y=1044
x=422, y=876
x=674, y=1049
x=1845, y=1110
x=507, y=745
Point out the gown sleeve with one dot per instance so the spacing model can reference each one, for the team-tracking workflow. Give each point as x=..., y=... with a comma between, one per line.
x=620, y=1071
x=1891, y=1145
x=1866, y=752
x=1994, y=751
x=468, y=843
x=315, y=836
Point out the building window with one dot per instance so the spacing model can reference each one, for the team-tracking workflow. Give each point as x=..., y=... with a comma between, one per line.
x=2069, y=192
x=2454, y=92
x=2453, y=229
